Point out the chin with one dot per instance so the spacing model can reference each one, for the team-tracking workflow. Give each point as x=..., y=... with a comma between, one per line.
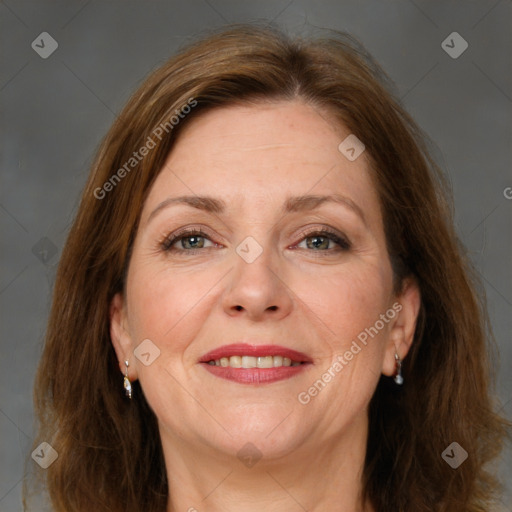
x=270, y=429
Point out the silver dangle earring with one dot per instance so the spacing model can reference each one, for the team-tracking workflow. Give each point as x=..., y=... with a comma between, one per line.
x=398, y=372
x=126, y=382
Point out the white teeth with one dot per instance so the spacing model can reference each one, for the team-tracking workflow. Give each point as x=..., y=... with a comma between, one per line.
x=278, y=361
x=265, y=362
x=249, y=362
x=235, y=362
x=254, y=362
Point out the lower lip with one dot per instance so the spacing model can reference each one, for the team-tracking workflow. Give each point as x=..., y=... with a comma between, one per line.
x=255, y=375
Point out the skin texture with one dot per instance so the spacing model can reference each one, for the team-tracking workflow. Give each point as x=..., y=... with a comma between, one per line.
x=316, y=301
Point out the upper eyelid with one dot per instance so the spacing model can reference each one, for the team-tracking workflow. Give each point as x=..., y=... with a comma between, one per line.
x=169, y=240
x=174, y=237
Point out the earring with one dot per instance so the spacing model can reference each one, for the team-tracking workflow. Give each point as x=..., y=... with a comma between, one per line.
x=126, y=382
x=398, y=373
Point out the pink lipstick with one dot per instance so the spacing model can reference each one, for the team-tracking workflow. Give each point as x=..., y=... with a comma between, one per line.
x=255, y=364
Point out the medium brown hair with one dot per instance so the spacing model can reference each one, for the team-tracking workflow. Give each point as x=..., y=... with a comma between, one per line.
x=110, y=456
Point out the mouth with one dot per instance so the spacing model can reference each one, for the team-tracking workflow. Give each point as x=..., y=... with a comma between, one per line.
x=254, y=364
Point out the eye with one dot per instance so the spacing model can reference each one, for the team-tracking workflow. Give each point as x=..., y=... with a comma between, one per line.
x=193, y=239
x=324, y=240
x=188, y=240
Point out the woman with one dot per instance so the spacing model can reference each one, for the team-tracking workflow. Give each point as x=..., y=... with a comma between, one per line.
x=262, y=303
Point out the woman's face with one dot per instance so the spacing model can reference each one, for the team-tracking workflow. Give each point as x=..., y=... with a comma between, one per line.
x=291, y=256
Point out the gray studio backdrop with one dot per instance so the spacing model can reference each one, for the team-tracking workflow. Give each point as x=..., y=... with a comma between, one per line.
x=67, y=67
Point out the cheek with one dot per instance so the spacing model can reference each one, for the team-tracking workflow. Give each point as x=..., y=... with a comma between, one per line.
x=165, y=304
x=347, y=302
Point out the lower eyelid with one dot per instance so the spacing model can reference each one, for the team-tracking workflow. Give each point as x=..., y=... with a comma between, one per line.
x=168, y=244
x=341, y=242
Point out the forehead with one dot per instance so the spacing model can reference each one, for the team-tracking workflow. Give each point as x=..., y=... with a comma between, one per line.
x=261, y=151
x=286, y=129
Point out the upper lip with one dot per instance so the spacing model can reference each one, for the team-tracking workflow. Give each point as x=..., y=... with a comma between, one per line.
x=245, y=349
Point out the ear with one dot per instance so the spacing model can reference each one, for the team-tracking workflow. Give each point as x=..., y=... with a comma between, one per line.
x=401, y=336
x=120, y=337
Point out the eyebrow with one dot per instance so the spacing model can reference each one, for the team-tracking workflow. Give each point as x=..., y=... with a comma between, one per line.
x=310, y=202
x=292, y=204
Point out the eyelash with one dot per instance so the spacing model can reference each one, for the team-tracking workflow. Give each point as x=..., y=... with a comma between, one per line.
x=170, y=240
x=342, y=242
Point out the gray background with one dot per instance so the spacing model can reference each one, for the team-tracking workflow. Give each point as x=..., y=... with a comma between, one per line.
x=55, y=111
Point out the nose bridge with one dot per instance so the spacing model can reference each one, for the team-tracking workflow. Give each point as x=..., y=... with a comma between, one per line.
x=253, y=265
x=255, y=287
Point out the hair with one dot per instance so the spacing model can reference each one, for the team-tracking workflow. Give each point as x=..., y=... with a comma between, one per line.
x=109, y=451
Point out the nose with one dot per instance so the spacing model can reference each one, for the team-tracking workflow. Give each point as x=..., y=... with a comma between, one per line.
x=256, y=291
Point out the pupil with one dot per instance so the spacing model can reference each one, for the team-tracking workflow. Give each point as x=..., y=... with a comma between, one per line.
x=193, y=241
x=319, y=242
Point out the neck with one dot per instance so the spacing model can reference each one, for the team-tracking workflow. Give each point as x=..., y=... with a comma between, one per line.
x=313, y=477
